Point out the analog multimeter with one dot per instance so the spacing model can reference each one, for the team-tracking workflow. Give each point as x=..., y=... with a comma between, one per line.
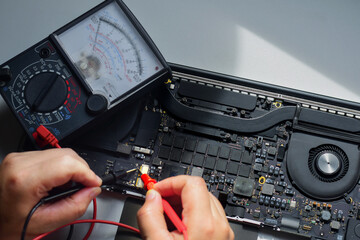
x=87, y=69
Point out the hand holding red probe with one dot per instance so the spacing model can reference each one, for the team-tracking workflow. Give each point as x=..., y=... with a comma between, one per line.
x=202, y=213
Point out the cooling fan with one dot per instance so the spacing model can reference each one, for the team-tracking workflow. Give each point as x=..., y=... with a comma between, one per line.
x=328, y=163
x=322, y=168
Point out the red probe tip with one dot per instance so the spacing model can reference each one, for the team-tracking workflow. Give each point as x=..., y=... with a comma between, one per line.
x=148, y=181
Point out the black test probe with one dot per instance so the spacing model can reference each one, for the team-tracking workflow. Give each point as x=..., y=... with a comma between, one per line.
x=107, y=179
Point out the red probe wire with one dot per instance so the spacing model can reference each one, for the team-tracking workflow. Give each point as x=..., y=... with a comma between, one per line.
x=89, y=221
x=94, y=218
x=44, y=137
x=169, y=211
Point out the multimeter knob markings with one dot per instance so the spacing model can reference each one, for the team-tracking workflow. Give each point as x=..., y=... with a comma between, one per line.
x=46, y=92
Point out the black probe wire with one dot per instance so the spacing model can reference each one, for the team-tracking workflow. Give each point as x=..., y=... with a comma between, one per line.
x=23, y=233
x=107, y=179
x=71, y=231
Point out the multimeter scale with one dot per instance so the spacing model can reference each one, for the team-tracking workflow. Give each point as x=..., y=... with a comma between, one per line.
x=82, y=72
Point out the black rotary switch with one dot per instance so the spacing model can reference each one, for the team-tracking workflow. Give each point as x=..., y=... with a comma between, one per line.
x=96, y=104
x=45, y=92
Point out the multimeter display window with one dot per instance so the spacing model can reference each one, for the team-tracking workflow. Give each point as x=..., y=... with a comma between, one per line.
x=109, y=52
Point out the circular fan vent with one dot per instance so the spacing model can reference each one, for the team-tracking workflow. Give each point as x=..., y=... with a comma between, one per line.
x=328, y=163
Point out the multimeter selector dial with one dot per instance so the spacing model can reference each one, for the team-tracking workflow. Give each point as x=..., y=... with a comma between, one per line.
x=46, y=92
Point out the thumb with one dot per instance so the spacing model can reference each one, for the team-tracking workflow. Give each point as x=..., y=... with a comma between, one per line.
x=151, y=218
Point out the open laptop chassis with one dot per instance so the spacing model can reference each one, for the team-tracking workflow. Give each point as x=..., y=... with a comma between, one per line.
x=278, y=159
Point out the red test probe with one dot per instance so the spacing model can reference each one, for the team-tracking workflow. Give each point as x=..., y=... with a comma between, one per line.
x=174, y=218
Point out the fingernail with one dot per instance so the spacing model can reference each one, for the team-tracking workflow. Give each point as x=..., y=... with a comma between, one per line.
x=151, y=194
x=95, y=192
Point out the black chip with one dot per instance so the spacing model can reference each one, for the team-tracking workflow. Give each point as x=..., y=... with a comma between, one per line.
x=198, y=160
x=156, y=162
x=248, y=143
x=272, y=151
x=201, y=147
x=247, y=157
x=256, y=214
x=175, y=155
x=179, y=142
x=221, y=165
x=167, y=140
x=244, y=186
x=124, y=149
x=279, y=189
x=220, y=187
x=257, y=167
x=190, y=145
x=265, y=169
x=233, y=168
x=304, y=214
x=223, y=196
x=234, y=211
x=281, y=153
x=224, y=152
x=186, y=157
x=213, y=150
x=245, y=170
x=164, y=152
x=210, y=163
x=170, y=170
x=235, y=155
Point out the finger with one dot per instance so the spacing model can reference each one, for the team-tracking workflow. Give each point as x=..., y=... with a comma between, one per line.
x=57, y=173
x=189, y=188
x=222, y=224
x=217, y=207
x=63, y=211
x=151, y=219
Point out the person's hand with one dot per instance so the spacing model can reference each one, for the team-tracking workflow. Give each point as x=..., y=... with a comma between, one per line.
x=27, y=177
x=202, y=213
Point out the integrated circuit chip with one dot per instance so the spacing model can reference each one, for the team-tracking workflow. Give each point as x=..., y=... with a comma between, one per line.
x=171, y=170
x=244, y=186
x=268, y=189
